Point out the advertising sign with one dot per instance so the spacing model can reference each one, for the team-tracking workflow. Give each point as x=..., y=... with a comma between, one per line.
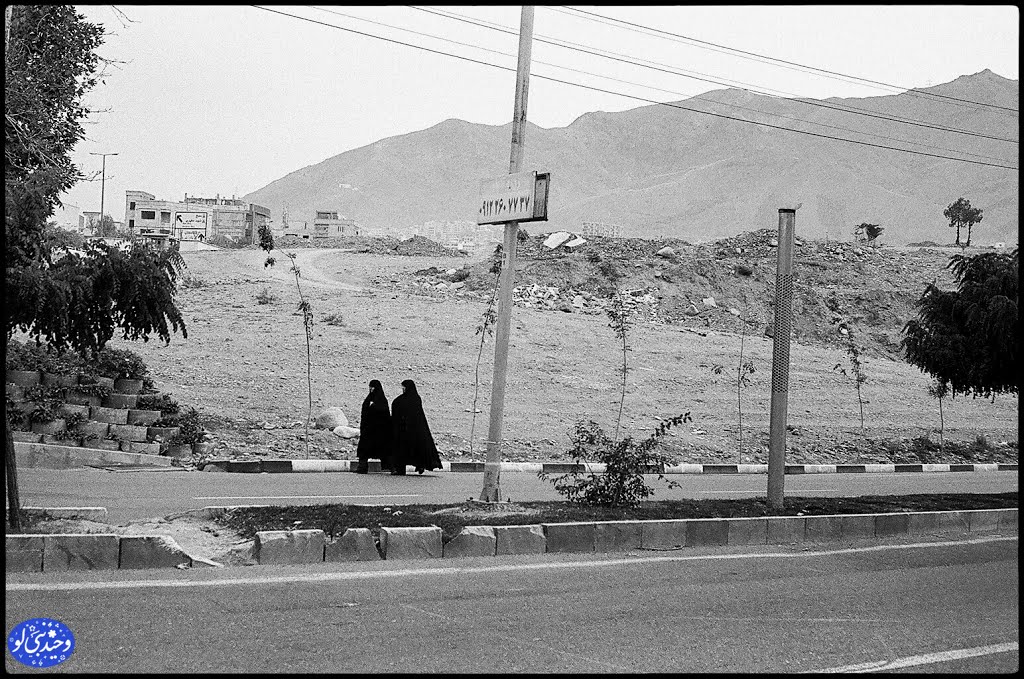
x=520, y=197
x=190, y=226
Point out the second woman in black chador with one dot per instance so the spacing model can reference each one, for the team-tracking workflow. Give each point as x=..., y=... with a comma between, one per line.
x=375, y=435
x=414, y=444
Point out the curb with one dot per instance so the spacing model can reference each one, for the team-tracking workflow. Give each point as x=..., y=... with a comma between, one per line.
x=49, y=456
x=304, y=466
x=49, y=553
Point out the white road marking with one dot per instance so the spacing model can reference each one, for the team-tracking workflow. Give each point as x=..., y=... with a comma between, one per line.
x=285, y=497
x=456, y=570
x=925, y=659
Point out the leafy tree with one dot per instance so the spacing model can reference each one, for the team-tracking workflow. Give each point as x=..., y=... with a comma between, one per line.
x=75, y=301
x=961, y=214
x=968, y=337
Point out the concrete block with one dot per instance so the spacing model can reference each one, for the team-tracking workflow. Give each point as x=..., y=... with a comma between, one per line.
x=664, y=534
x=278, y=547
x=101, y=444
x=858, y=526
x=127, y=401
x=785, y=530
x=828, y=528
x=954, y=522
x=244, y=467
x=748, y=531
x=143, y=417
x=892, y=524
x=355, y=544
x=128, y=432
x=472, y=541
x=24, y=553
x=26, y=437
x=618, y=536
x=519, y=540
x=151, y=551
x=421, y=542
x=80, y=552
x=144, y=447
x=161, y=433
x=706, y=532
x=467, y=467
x=575, y=536
x=90, y=513
x=108, y=415
x=276, y=466
x=1008, y=520
x=923, y=522
x=215, y=466
x=981, y=520
x=76, y=397
x=68, y=409
x=99, y=429
x=24, y=378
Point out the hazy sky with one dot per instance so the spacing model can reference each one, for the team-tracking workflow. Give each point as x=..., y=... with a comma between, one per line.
x=225, y=100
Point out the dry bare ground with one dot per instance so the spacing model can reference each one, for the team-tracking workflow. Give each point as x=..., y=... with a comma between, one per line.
x=244, y=365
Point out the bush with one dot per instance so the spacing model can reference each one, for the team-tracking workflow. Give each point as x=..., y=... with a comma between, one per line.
x=120, y=363
x=460, y=275
x=265, y=296
x=744, y=270
x=191, y=428
x=167, y=406
x=25, y=356
x=622, y=483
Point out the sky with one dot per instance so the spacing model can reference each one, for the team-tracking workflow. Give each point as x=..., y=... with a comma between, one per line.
x=209, y=100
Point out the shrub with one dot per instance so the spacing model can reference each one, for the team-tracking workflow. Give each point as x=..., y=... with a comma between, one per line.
x=25, y=355
x=608, y=269
x=191, y=428
x=167, y=406
x=334, y=319
x=265, y=296
x=120, y=363
x=744, y=270
x=622, y=484
x=460, y=275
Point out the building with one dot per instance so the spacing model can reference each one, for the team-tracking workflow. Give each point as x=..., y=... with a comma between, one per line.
x=194, y=218
x=602, y=229
x=70, y=217
x=330, y=225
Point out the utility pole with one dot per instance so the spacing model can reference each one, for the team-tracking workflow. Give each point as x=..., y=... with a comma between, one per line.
x=780, y=359
x=492, y=465
x=103, y=183
x=10, y=463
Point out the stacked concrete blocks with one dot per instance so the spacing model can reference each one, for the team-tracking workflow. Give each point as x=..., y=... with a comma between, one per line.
x=280, y=547
x=472, y=541
x=420, y=542
x=355, y=544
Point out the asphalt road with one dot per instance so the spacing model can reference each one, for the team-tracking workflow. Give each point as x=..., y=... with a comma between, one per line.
x=900, y=604
x=130, y=496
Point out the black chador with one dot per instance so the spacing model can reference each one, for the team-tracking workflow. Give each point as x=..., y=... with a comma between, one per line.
x=413, y=443
x=375, y=436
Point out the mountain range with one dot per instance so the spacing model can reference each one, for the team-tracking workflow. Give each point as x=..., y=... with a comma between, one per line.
x=697, y=169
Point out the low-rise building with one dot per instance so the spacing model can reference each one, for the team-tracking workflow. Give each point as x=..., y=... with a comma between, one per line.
x=194, y=218
x=329, y=225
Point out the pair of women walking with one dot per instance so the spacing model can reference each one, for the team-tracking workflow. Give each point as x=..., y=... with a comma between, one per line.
x=398, y=438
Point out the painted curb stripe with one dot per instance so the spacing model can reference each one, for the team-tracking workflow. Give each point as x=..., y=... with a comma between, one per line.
x=925, y=659
x=289, y=466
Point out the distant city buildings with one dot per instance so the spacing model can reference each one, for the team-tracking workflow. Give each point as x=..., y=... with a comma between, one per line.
x=464, y=235
x=329, y=225
x=194, y=218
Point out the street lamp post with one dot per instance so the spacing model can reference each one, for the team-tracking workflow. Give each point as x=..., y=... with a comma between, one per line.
x=103, y=182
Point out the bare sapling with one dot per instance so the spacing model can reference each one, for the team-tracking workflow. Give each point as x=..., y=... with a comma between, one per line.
x=620, y=323
x=853, y=353
x=486, y=327
x=267, y=244
x=939, y=389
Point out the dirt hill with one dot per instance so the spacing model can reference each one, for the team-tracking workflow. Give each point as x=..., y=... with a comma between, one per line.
x=392, y=317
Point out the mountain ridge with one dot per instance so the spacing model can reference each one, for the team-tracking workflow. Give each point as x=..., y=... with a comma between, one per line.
x=660, y=170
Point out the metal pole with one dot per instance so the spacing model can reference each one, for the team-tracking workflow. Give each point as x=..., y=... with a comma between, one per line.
x=780, y=359
x=103, y=184
x=492, y=465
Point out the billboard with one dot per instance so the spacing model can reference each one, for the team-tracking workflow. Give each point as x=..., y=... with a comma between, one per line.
x=519, y=197
x=190, y=226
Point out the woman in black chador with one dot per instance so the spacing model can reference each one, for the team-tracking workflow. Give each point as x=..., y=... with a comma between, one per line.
x=374, y=429
x=413, y=443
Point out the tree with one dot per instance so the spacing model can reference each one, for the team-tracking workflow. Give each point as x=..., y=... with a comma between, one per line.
x=968, y=337
x=73, y=301
x=105, y=228
x=961, y=214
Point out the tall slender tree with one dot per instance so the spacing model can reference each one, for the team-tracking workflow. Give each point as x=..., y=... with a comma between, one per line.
x=960, y=214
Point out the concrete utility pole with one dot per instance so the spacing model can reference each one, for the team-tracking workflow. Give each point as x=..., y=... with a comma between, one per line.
x=103, y=184
x=780, y=359
x=492, y=465
x=8, y=16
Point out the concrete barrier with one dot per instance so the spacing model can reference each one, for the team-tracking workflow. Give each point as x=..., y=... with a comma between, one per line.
x=47, y=456
x=472, y=541
x=65, y=552
x=421, y=542
x=355, y=544
x=278, y=547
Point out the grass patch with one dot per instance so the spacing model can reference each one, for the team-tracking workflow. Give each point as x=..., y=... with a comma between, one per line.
x=336, y=519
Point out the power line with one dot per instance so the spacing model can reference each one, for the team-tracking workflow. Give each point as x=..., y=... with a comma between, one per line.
x=629, y=96
x=808, y=102
x=791, y=63
x=629, y=82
